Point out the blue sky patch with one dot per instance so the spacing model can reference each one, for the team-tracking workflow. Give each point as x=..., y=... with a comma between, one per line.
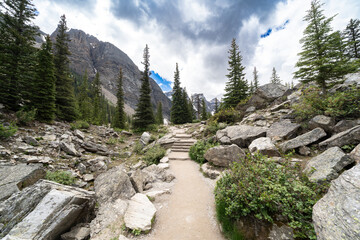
x=164, y=84
x=275, y=29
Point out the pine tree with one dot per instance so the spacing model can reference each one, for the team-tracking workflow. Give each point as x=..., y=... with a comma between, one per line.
x=320, y=61
x=251, y=88
x=120, y=116
x=274, y=77
x=198, y=106
x=65, y=98
x=177, y=108
x=17, y=54
x=236, y=88
x=352, y=38
x=256, y=79
x=216, y=105
x=84, y=101
x=96, y=92
x=159, y=114
x=203, y=110
x=44, y=87
x=144, y=115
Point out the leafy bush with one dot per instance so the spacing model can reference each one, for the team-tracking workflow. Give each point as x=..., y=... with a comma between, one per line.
x=262, y=188
x=213, y=127
x=138, y=147
x=24, y=117
x=61, y=177
x=228, y=116
x=80, y=124
x=7, y=131
x=154, y=155
x=341, y=104
x=198, y=150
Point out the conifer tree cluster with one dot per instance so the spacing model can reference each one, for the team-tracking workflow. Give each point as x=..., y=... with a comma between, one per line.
x=120, y=116
x=40, y=79
x=181, y=109
x=254, y=84
x=237, y=87
x=323, y=59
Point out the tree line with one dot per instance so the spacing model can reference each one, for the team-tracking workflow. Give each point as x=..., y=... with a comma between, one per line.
x=40, y=80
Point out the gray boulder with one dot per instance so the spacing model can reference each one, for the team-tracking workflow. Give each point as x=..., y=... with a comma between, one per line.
x=223, y=156
x=321, y=121
x=95, y=148
x=344, y=125
x=210, y=171
x=328, y=165
x=140, y=213
x=31, y=141
x=44, y=211
x=303, y=140
x=79, y=232
x=155, y=173
x=69, y=148
x=351, y=136
x=145, y=138
x=355, y=154
x=241, y=135
x=271, y=91
x=79, y=134
x=264, y=146
x=113, y=184
x=15, y=178
x=336, y=215
x=137, y=179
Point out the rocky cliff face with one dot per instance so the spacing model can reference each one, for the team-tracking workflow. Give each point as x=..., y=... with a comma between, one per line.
x=88, y=53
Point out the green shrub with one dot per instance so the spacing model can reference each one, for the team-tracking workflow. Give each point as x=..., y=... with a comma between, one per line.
x=61, y=177
x=341, y=104
x=154, y=155
x=262, y=188
x=24, y=117
x=198, y=150
x=7, y=131
x=228, y=116
x=138, y=147
x=213, y=127
x=80, y=124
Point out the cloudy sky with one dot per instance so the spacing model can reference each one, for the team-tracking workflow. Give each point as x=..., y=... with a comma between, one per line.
x=197, y=33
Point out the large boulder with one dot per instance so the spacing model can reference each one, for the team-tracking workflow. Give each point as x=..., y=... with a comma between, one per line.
x=140, y=213
x=271, y=91
x=69, y=148
x=283, y=130
x=241, y=135
x=321, y=121
x=44, y=210
x=355, y=154
x=137, y=179
x=336, y=215
x=145, y=138
x=344, y=125
x=223, y=156
x=351, y=136
x=112, y=185
x=328, y=165
x=264, y=146
x=15, y=178
x=303, y=140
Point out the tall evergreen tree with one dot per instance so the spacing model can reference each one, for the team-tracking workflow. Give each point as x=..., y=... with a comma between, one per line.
x=204, y=114
x=275, y=77
x=320, y=60
x=44, y=88
x=251, y=88
x=17, y=54
x=144, y=115
x=96, y=92
x=216, y=105
x=256, y=79
x=84, y=101
x=352, y=38
x=159, y=114
x=65, y=98
x=198, y=106
x=177, y=108
x=236, y=88
x=120, y=115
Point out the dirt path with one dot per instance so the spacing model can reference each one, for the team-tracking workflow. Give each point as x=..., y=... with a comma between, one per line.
x=190, y=209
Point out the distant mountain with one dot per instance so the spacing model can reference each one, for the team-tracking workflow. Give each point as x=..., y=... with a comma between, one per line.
x=88, y=53
x=210, y=106
x=169, y=94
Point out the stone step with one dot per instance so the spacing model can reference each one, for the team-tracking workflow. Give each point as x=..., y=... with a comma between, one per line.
x=182, y=145
x=179, y=156
x=183, y=136
x=180, y=150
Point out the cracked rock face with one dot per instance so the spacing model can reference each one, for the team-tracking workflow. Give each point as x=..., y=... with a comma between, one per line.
x=223, y=156
x=241, y=135
x=336, y=216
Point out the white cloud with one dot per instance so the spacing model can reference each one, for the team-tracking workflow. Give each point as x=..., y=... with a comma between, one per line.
x=203, y=64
